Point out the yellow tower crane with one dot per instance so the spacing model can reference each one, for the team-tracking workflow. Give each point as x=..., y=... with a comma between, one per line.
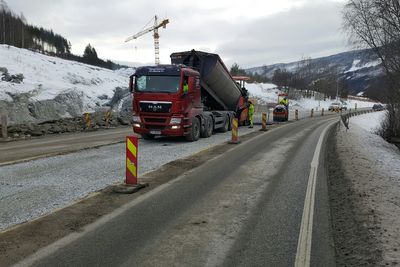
x=155, y=35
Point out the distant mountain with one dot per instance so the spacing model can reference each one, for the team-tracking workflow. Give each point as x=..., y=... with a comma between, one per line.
x=361, y=69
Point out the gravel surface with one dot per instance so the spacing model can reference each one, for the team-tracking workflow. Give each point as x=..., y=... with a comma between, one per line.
x=32, y=189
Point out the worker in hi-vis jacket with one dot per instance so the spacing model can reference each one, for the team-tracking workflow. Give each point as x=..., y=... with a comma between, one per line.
x=284, y=102
x=251, y=113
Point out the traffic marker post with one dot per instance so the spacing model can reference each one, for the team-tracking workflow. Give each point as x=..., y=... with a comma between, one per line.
x=4, y=125
x=322, y=112
x=296, y=114
x=131, y=160
x=131, y=168
x=312, y=113
x=86, y=117
x=107, y=118
x=235, y=134
x=264, y=121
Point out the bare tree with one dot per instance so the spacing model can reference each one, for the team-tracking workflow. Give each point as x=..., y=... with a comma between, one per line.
x=376, y=24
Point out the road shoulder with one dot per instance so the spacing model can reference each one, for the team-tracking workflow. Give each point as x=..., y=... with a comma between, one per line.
x=364, y=232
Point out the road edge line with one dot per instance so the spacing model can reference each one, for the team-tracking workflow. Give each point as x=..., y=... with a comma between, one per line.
x=303, y=254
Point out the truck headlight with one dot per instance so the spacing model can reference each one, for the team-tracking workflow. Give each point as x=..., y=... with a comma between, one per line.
x=136, y=125
x=136, y=118
x=175, y=121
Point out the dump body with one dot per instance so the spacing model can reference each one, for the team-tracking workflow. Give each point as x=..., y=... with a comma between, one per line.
x=215, y=78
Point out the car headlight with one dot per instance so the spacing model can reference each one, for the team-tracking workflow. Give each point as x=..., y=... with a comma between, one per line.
x=136, y=118
x=175, y=121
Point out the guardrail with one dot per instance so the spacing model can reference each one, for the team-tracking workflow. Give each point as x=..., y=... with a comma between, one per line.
x=346, y=117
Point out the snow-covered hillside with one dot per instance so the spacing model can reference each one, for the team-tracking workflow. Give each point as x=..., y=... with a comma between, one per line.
x=360, y=68
x=268, y=94
x=54, y=86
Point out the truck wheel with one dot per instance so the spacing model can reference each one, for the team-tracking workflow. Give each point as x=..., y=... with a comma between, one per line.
x=194, y=130
x=225, y=128
x=208, y=128
x=147, y=136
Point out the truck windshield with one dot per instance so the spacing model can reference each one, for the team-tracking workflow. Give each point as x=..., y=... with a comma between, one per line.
x=167, y=84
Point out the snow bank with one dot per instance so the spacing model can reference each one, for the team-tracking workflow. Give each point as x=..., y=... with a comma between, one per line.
x=47, y=77
x=268, y=93
x=373, y=167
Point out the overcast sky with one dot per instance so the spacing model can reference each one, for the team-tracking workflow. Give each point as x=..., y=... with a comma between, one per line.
x=248, y=32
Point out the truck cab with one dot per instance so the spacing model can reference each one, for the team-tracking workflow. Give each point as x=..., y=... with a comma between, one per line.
x=161, y=105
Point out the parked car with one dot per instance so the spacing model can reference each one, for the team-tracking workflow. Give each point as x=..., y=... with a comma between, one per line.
x=377, y=107
x=335, y=106
x=344, y=106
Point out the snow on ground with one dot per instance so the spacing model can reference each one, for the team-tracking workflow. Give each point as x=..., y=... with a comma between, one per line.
x=357, y=66
x=373, y=167
x=268, y=93
x=46, y=77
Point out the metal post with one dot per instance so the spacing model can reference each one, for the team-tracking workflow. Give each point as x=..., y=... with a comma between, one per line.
x=322, y=112
x=312, y=112
x=296, y=114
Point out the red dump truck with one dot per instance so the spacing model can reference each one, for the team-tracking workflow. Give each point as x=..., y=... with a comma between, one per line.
x=192, y=97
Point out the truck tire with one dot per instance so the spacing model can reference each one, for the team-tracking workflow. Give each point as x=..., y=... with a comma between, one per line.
x=208, y=128
x=194, y=134
x=225, y=128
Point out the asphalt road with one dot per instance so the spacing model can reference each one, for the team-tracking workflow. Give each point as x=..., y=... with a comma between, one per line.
x=19, y=151
x=243, y=208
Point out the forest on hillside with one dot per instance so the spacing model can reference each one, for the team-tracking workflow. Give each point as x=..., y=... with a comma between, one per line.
x=15, y=31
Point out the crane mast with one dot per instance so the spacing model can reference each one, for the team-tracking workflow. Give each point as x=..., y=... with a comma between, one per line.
x=155, y=35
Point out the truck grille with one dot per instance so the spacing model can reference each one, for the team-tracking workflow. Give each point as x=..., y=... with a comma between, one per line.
x=157, y=107
x=155, y=127
x=155, y=120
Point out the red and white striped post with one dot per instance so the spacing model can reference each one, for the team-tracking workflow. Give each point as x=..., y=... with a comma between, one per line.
x=131, y=169
x=131, y=160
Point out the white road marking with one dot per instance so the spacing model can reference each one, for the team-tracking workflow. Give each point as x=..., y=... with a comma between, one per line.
x=303, y=254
